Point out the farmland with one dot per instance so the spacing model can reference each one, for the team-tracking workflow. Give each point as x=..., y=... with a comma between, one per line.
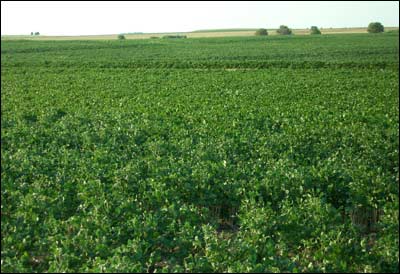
x=209, y=33
x=233, y=154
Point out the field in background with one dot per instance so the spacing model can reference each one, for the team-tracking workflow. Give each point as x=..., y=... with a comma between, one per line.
x=231, y=154
x=194, y=34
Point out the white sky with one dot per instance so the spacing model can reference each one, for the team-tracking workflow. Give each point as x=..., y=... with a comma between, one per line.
x=83, y=18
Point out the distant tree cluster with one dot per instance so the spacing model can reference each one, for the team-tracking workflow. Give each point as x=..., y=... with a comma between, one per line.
x=375, y=27
x=314, y=30
x=35, y=33
x=284, y=30
x=261, y=32
x=174, y=36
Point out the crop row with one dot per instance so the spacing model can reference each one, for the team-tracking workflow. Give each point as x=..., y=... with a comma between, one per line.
x=334, y=51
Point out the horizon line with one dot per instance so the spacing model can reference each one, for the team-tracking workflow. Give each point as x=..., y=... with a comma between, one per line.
x=198, y=30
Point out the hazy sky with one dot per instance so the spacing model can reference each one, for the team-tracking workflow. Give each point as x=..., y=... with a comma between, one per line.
x=81, y=18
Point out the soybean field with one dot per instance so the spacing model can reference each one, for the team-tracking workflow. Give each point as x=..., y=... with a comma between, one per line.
x=231, y=154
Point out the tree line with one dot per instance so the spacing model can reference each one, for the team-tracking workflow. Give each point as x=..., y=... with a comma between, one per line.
x=373, y=27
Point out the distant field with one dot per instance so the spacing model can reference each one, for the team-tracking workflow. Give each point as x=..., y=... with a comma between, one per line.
x=195, y=34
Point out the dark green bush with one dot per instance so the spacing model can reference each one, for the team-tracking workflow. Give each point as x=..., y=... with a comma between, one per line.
x=261, y=32
x=375, y=27
x=314, y=30
x=174, y=36
x=284, y=30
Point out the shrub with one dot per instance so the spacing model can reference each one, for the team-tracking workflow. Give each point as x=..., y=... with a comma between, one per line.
x=375, y=27
x=173, y=36
x=121, y=37
x=314, y=30
x=284, y=30
x=261, y=32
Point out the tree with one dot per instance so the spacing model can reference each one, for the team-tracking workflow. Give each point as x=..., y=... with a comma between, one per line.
x=375, y=27
x=261, y=32
x=121, y=37
x=37, y=33
x=174, y=36
x=284, y=30
x=31, y=33
x=314, y=30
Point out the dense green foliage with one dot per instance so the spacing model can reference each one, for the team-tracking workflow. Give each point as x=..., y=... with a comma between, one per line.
x=325, y=51
x=260, y=154
x=375, y=27
x=315, y=30
x=121, y=37
x=261, y=32
x=284, y=30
